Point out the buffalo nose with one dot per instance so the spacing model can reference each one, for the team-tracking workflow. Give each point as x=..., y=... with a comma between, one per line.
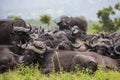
x=61, y=47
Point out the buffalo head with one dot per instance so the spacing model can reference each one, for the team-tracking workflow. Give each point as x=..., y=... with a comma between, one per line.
x=36, y=46
x=101, y=45
x=64, y=23
x=21, y=34
x=78, y=33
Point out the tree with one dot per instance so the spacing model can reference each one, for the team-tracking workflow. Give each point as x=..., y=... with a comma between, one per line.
x=45, y=19
x=104, y=18
x=117, y=6
x=96, y=28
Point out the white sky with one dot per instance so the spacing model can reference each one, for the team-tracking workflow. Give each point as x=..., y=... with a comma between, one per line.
x=29, y=9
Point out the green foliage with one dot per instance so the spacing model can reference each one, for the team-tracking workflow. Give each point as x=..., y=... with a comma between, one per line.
x=26, y=73
x=117, y=6
x=96, y=28
x=104, y=18
x=107, y=23
x=45, y=19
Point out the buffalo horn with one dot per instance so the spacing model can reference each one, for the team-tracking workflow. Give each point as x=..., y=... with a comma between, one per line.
x=117, y=49
x=39, y=51
x=36, y=46
x=30, y=27
x=76, y=46
x=16, y=28
x=91, y=41
x=112, y=41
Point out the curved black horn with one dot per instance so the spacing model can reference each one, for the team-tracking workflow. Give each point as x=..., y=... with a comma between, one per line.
x=113, y=42
x=91, y=41
x=117, y=39
x=37, y=45
x=30, y=27
x=117, y=49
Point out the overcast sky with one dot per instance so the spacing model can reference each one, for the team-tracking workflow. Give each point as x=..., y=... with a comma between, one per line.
x=31, y=9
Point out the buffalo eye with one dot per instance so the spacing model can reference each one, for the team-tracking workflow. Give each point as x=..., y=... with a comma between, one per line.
x=12, y=33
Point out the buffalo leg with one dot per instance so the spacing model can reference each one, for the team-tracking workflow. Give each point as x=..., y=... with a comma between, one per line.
x=83, y=62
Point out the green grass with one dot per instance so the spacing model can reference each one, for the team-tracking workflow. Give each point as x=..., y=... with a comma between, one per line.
x=26, y=73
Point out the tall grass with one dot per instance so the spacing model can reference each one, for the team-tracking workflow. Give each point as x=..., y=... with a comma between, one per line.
x=26, y=73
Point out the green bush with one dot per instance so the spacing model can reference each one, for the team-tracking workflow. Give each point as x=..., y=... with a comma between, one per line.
x=45, y=19
x=96, y=28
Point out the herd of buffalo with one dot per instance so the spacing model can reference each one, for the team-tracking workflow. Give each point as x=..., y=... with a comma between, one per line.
x=62, y=48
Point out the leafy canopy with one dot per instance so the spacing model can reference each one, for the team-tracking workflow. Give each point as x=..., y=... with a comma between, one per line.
x=107, y=19
x=45, y=19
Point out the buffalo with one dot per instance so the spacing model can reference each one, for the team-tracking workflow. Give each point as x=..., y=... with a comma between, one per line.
x=80, y=58
x=6, y=29
x=69, y=22
x=21, y=36
x=60, y=49
x=54, y=59
x=67, y=60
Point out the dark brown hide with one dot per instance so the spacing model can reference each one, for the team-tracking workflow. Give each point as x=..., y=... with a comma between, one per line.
x=67, y=61
x=7, y=60
x=6, y=28
x=69, y=22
